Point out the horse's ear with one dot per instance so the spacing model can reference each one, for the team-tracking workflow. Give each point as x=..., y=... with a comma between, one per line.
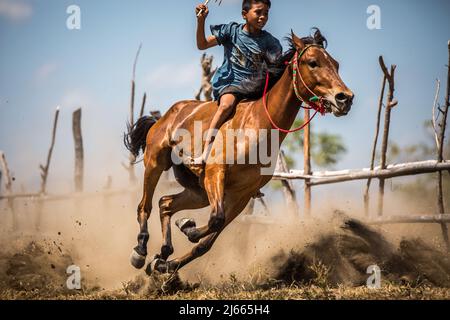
x=298, y=43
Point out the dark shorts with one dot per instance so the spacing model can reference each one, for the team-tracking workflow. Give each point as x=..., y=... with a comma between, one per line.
x=237, y=92
x=231, y=90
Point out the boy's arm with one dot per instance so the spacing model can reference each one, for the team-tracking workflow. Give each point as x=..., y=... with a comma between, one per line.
x=203, y=43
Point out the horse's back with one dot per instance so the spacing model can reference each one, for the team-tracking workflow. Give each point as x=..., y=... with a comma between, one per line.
x=188, y=111
x=187, y=114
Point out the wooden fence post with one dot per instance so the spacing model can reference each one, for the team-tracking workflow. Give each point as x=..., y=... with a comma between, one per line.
x=387, y=119
x=79, y=151
x=132, y=159
x=4, y=170
x=440, y=198
x=44, y=173
x=8, y=188
x=144, y=99
x=45, y=169
x=374, y=147
x=288, y=188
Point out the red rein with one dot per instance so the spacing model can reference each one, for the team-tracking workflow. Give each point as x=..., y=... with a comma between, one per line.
x=317, y=107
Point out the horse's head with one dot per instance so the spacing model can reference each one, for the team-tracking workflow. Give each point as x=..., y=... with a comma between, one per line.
x=320, y=73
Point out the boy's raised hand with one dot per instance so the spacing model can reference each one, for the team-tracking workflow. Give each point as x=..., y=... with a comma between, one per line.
x=201, y=11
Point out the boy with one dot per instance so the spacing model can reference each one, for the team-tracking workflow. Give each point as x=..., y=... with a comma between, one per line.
x=246, y=47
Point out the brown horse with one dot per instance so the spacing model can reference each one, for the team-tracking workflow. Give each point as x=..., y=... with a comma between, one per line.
x=226, y=187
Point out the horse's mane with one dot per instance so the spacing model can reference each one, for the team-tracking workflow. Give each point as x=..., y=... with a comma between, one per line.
x=276, y=66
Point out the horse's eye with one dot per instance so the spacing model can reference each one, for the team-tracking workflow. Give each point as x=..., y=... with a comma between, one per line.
x=313, y=64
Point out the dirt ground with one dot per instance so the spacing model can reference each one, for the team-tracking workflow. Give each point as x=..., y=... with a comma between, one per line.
x=257, y=257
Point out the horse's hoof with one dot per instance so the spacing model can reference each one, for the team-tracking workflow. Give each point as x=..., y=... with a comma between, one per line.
x=158, y=265
x=185, y=223
x=193, y=236
x=137, y=260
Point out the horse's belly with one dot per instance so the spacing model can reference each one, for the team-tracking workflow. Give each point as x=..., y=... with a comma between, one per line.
x=241, y=178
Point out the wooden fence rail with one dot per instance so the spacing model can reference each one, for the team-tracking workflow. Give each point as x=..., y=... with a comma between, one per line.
x=394, y=170
x=433, y=218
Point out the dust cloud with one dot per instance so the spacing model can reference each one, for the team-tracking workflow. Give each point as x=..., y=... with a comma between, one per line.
x=97, y=234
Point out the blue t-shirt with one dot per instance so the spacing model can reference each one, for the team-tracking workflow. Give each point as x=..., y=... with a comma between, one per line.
x=244, y=54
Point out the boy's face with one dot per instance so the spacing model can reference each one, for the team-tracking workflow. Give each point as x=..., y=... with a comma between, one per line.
x=257, y=16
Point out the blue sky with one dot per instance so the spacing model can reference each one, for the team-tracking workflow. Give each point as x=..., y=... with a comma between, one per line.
x=43, y=64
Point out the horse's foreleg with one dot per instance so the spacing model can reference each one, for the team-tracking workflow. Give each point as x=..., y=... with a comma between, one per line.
x=194, y=234
x=151, y=177
x=169, y=205
x=214, y=187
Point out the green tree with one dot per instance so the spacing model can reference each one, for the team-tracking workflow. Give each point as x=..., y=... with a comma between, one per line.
x=326, y=149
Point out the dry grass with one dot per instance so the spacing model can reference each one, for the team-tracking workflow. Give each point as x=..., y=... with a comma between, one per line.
x=330, y=266
x=256, y=287
x=245, y=291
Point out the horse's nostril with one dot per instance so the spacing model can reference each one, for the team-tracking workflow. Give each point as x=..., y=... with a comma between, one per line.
x=341, y=97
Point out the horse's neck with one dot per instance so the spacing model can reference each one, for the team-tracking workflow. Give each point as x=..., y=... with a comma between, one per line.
x=282, y=104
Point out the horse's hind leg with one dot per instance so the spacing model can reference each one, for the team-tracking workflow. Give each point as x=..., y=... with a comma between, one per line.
x=169, y=205
x=238, y=204
x=174, y=265
x=152, y=174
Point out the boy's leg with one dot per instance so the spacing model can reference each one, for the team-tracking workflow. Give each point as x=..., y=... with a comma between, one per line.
x=228, y=102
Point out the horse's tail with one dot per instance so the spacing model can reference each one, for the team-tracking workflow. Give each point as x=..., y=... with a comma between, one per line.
x=135, y=138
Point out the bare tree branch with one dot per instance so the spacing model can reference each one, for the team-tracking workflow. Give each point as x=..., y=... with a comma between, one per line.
x=135, y=60
x=440, y=198
x=433, y=119
x=132, y=158
x=45, y=169
x=387, y=119
x=375, y=141
x=144, y=99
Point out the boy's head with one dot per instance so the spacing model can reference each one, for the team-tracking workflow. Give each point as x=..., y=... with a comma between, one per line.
x=256, y=13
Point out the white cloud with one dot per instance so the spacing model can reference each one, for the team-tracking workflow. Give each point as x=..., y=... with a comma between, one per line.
x=44, y=71
x=170, y=76
x=15, y=10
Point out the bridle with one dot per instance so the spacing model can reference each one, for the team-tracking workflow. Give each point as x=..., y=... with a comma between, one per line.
x=313, y=103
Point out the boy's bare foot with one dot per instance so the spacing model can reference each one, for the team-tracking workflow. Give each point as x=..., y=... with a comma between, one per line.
x=197, y=161
x=196, y=165
x=201, y=160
